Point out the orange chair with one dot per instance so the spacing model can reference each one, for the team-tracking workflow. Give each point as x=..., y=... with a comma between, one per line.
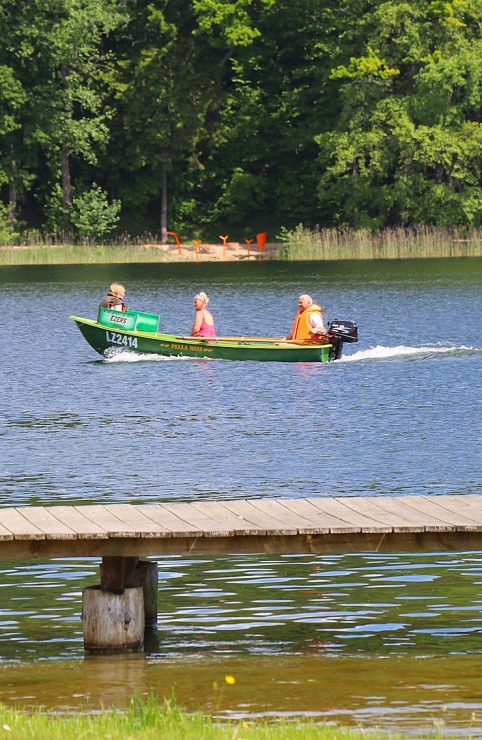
x=177, y=240
x=261, y=240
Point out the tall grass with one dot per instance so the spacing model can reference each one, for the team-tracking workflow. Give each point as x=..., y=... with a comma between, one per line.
x=151, y=719
x=350, y=244
x=75, y=255
x=298, y=244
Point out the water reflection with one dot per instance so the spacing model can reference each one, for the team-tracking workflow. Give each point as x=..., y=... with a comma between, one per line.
x=370, y=604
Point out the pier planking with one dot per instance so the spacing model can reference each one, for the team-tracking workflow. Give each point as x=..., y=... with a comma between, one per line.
x=283, y=525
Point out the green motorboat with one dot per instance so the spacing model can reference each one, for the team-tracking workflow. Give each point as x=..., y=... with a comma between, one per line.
x=136, y=331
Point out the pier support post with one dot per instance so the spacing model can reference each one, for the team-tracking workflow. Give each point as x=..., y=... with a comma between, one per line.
x=148, y=579
x=113, y=621
x=116, y=613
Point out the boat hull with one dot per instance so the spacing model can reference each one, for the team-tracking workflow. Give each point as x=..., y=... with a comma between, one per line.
x=107, y=339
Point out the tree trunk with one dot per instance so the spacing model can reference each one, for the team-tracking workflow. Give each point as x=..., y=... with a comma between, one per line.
x=66, y=194
x=12, y=199
x=64, y=156
x=163, y=203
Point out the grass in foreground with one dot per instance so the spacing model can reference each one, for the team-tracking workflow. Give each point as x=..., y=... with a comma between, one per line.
x=150, y=718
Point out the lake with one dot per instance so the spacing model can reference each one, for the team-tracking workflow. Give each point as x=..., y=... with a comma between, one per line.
x=398, y=414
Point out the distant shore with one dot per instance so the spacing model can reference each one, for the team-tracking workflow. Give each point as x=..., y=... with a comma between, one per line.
x=72, y=254
x=297, y=245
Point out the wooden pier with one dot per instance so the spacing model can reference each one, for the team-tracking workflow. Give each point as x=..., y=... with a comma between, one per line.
x=320, y=525
x=121, y=534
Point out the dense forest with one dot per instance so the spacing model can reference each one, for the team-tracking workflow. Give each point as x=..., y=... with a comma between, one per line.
x=209, y=116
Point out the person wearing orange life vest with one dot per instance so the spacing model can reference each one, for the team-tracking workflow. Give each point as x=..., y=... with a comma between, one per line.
x=308, y=323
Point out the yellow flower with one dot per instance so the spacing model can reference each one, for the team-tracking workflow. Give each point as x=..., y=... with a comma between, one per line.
x=230, y=680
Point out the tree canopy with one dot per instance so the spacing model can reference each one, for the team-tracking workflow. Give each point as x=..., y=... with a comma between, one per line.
x=215, y=116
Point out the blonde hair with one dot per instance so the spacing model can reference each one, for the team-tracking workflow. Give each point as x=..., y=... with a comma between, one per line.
x=117, y=289
x=202, y=297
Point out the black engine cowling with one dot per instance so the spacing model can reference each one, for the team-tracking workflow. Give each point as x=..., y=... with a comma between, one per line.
x=347, y=331
x=340, y=332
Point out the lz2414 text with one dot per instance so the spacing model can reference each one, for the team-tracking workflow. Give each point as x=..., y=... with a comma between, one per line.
x=114, y=337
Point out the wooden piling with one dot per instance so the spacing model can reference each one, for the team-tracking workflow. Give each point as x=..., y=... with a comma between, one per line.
x=113, y=621
x=148, y=579
x=116, y=613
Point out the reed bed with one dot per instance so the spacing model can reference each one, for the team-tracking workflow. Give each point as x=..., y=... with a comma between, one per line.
x=363, y=244
x=67, y=254
x=299, y=244
x=151, y=719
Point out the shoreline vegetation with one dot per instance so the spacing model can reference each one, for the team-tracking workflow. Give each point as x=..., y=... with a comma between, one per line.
x=150, y=718
x=297, y=245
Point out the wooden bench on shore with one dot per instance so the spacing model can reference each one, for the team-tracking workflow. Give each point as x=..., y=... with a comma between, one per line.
x=115, y=612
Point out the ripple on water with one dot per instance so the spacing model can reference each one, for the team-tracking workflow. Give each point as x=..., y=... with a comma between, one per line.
x=370, y=639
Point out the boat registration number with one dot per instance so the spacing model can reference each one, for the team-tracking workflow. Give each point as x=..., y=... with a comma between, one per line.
x=113, y=337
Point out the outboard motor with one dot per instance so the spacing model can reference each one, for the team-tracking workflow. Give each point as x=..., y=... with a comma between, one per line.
x=340, y=332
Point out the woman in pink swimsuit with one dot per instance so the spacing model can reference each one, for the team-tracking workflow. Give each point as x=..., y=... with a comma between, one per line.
x=203, y=323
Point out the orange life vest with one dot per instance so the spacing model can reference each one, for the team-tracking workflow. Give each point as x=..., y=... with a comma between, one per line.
x=301, y=325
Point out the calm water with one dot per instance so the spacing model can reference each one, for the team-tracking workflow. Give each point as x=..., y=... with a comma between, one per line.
x=400, y=413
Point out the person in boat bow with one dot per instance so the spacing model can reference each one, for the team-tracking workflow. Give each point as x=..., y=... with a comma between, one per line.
x=114, y=299
x=308, y=323
x=203, y=322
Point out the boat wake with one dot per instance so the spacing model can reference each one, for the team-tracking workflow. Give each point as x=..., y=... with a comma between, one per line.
x=384, y=353
x=374, y=353
x=123, y=355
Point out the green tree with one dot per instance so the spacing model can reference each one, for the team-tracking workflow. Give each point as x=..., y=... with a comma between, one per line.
x=261, y=162
x=173, y=84
x=15, y=128
x=57, y=47
x=408, y=137
x=92, y=215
